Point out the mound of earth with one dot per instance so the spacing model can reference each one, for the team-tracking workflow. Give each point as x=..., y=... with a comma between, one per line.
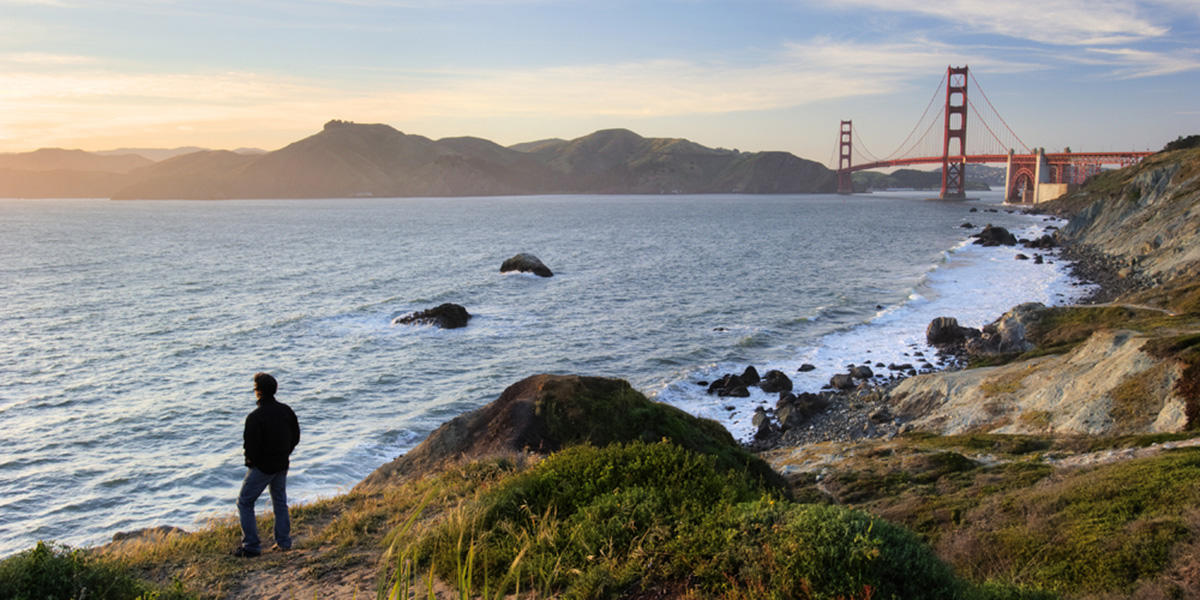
x=544, y=413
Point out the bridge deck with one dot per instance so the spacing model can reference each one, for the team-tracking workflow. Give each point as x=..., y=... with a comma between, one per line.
x=1058, y=158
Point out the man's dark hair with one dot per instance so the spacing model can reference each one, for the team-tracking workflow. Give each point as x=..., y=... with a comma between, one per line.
x=265, y=385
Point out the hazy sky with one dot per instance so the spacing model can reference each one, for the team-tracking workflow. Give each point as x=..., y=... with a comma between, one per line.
x=753, y=75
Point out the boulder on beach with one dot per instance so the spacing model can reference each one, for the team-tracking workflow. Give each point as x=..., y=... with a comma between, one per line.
x=794, y=410
x=763, y=427
x=995, y=236
x=862, y=372
x=526, y=263
x=775, y=381
x=1045, y=242
x=446, y=316
x=1006, y=335
x=945, y=331
x=842, y=381
x=545, y=413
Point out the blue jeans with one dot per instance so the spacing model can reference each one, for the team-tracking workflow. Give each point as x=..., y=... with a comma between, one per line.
x=252, y=487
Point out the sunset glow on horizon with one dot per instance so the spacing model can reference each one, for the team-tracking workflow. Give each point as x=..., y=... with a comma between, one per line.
x=764, y=75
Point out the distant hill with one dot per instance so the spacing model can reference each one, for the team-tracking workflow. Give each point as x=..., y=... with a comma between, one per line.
x=58, y=159
x=348, y=159
x=539, y=145
x=154, y=154
x=161, y=154
x=59, y=173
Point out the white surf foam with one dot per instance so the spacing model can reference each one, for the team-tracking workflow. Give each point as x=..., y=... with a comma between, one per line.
x=974, y=284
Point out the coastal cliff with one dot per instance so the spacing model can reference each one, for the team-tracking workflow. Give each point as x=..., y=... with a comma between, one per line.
x=1125, y=367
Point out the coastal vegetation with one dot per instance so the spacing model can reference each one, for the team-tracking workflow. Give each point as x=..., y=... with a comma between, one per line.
x=580, y=487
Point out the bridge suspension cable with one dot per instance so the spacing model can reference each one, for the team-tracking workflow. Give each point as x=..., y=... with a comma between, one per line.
x=916, y=148
x=860, y=145
x=932, y=100
x=998, y=116
x=1001, y=148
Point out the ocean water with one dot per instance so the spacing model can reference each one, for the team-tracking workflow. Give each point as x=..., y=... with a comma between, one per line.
x=129, y=331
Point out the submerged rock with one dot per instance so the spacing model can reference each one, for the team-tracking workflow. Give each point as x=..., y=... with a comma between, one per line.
x=526, y=263
x=446, y=316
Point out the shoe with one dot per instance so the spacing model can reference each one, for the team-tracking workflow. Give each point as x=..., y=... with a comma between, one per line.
x=278, y=548
x=243, y=552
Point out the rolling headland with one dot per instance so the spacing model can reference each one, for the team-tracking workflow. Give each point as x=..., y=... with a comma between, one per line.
x=1060, y=463
x=346, y=160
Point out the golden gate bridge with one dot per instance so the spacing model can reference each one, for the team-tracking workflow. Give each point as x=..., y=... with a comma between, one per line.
x=1033, y=175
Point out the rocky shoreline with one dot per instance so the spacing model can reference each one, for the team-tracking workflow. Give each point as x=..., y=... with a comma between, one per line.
x=861, y=411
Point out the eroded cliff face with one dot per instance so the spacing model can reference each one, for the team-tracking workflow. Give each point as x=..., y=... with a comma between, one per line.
x=1146, y=216
x=1146, y=219
x=1106, y=386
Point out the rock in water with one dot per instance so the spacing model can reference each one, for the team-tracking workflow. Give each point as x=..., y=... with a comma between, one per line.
x=526, y=263
x=750, y=376
x=862, y=372
x=995, y=236
x=446, y=316
x=775, y=381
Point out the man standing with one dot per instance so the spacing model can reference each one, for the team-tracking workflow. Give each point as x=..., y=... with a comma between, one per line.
x=271, y=433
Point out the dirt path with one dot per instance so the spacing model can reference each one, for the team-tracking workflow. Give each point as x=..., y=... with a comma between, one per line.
x=1104, y=457
x=820, y=457
x=293, y=580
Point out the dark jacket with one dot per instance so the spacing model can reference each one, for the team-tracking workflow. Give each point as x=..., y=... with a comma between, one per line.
x=272, y=431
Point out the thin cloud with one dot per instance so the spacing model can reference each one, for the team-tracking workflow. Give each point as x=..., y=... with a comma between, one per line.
x=1060, y=22
x=46, y=59
x=1130, y=63
x=54, y=99
x=900, y=60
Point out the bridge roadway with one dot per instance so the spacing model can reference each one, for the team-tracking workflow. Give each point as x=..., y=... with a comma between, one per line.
x=1057, y=158
x=1030, y=178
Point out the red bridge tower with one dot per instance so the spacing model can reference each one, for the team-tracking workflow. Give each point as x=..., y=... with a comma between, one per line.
x=845, y=184
x=954, y=166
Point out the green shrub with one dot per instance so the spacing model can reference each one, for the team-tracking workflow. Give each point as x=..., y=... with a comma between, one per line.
x=601, y=411
x=1183, y=143
x=1097, y=531
x=50, y=572
x=607, y=522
